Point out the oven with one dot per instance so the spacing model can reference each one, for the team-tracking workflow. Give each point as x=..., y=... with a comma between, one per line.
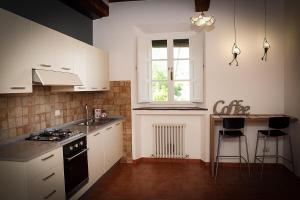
x=75, y=165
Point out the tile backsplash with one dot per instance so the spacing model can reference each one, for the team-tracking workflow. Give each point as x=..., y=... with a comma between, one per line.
x=25, y=113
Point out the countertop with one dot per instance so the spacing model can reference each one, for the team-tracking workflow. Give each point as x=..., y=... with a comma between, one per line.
x=23, y=150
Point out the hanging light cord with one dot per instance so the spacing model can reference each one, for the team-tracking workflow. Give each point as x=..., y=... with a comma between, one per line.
x=234, y=23
x=234, y=27
x=266, y=48
x=265, y=19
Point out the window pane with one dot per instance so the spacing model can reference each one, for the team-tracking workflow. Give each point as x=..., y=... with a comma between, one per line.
x=160, y=91
x=181, y=48
x=182, y=91
x=159, y=70
x=181, y=70
x=159, y=49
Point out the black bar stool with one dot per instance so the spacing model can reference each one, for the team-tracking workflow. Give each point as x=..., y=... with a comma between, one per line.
x=233, y=127
x=276, y=124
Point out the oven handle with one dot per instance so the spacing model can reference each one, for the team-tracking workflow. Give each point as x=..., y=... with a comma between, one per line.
x=81, y=152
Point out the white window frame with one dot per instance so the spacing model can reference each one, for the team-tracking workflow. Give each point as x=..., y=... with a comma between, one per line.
x=170, y=64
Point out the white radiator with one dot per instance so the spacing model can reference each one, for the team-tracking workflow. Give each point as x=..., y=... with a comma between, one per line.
x=168, y=141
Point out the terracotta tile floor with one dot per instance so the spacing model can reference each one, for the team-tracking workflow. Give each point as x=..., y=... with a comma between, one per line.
x=168, y=181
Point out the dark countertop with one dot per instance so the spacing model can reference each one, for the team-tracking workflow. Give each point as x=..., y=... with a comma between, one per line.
x=24, y=150
x=170, y=108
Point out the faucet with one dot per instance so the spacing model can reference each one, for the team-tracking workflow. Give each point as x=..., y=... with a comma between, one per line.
x=87, y=114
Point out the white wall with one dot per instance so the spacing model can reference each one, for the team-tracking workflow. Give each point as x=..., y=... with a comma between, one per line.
x=292, y=73
x=259, y=84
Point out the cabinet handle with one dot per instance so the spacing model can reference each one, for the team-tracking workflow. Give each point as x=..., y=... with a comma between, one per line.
x=46, y=178
x=108, y=128
x=118, y=124
x=44, y=65
x=44, y=159
x=49, y=195
x=18, y=88
x=104, y=88
x=94, y=88
x=81, y=87
x=66, y=68
x=97, y=134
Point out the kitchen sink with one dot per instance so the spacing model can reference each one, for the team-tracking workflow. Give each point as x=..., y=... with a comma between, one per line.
x=96, y=123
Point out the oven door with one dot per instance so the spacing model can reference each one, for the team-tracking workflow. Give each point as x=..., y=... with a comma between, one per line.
x=76, y=172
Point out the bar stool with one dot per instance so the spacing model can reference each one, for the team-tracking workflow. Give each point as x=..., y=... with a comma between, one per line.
x=233, y=127
x=276, y=124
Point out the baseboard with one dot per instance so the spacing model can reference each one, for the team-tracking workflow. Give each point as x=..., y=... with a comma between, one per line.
x=170, y=160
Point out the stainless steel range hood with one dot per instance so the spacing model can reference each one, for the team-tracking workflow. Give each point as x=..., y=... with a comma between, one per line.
x=54, y=78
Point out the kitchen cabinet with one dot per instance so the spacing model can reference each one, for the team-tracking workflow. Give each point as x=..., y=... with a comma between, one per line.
x=95, y=144
x=39, y=178
x=105, y=149
x=15, y=69
x=113, y=138
x=50, y=50
x=98, y=71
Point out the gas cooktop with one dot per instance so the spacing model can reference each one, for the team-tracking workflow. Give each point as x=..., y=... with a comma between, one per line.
x=54, y=135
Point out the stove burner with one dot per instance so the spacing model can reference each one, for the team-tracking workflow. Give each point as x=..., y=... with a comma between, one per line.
x=53, y=135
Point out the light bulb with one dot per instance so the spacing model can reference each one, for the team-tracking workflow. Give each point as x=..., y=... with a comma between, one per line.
x=203, y=20
x=266, y=44
x=236, y=50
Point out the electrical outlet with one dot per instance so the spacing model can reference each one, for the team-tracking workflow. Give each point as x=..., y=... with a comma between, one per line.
x=57, y=113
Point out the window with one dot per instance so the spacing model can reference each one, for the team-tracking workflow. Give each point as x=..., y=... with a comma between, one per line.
x=170, y=71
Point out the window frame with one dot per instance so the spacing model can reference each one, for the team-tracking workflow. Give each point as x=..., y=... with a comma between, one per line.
x=170, y=66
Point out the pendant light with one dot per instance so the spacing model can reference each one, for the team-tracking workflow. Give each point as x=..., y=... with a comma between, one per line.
x=266, y=44
x=235, y=49
x=201, y=20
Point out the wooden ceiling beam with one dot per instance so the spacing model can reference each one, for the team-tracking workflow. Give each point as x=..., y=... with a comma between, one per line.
x=93, y=9
x=202, y=5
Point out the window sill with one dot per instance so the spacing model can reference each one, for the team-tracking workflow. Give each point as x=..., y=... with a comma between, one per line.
x=171, y=108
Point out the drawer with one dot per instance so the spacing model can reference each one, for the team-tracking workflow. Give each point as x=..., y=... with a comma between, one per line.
x=44, y=162
x=48, y=185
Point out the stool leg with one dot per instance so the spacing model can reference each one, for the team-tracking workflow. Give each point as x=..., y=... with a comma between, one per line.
x=263, y=157
x=218, y=156
x=291, y=152
x=247, y=154
x=240, y=153
x=256, y=146
x=276, y=150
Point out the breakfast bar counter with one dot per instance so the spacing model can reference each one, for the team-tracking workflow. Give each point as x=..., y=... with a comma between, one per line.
x=251, y=118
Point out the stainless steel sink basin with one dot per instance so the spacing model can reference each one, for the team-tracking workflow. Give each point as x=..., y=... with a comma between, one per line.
x=96, y=123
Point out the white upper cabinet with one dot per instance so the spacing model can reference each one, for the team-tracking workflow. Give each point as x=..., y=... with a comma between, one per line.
x=98, y=71
x=26, y=45
x=42, y=48
x=15, y=69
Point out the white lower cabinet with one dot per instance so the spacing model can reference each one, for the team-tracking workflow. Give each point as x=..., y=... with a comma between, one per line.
x=105, y=149
x=95, y=156
x=40, y=178
x=113, y=145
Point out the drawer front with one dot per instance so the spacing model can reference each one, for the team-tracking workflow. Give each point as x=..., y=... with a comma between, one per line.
x=47, y=161
x=48, y=185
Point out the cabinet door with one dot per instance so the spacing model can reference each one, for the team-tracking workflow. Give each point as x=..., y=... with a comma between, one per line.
x=104, y=71
x=95, y=156
x=63, y=52
x=42, y=47
x=15, y=70
x=109, y=148
x=80, y=64
x=118, y=132
x=113, y=144
x=98, y=71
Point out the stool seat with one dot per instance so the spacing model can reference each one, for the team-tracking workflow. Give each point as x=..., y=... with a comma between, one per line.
x=273, y=133
x=231, y=133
